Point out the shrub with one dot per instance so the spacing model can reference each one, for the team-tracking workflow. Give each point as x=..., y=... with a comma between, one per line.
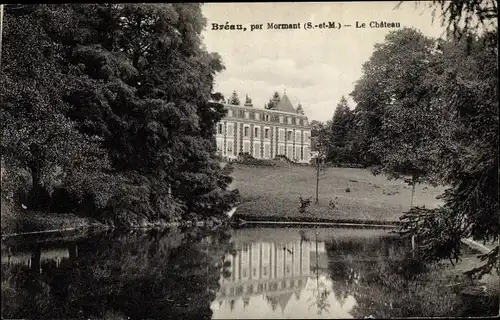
x=304, y=203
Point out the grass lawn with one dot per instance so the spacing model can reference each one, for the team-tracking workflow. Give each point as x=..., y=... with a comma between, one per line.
x=274, y=192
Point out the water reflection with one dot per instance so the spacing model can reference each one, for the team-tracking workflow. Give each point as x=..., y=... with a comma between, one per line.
x=168, y=275
x=286, y=273
x=245, y=273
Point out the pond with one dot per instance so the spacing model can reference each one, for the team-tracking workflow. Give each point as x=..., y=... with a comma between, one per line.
x=242, y=273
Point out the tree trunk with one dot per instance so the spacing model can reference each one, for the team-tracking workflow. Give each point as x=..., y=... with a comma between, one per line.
x=36, y=258
x=36, y=192
x=317, y=180
x=413, y=245
x=412, y=191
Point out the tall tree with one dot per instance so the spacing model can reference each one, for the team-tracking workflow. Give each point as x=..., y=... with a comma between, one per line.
x=407, y=121
x=342, y=122
x=468, y=90
x=468, y=148
x=234, y=99
x=273, y=102
x=37, y=133
x=141, y=85
x=300, y=109
x=316, y=127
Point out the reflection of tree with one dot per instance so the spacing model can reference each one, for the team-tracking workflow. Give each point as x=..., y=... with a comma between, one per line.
x=386, y=282
x=320, y=296
x=272, y=301
x=321, y=292
x=30, y=302
x=154, y=275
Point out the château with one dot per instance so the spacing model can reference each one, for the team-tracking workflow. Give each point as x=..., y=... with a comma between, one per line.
x=263, y=133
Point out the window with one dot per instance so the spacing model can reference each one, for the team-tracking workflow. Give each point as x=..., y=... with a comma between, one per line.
x=230, y=113
x=230, y=129
x=246, y=147
x=250, y=289
x=289, y=135
x=289, y=120
x=256, y=132
x=239, y=290
x=220, y=127
x=247, y=115
x=282, y=135
x=305, y=136
x=281, y=119
x=267, y=151
x=266, y=133
x=297, y=121
x=244, y=273
x=257, y=116
x=297, y=136
x=266, y=117
x=264, y=271
x=245, y=131
x=256, y=150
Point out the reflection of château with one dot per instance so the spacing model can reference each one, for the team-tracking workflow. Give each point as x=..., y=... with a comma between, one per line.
x=275, y=270
x=40, y=256
x=263, y=133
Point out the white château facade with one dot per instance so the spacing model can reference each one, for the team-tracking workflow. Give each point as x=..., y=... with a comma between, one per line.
x=263, y=133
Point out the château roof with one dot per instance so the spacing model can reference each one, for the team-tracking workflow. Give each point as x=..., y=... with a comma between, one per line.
x=285, y=105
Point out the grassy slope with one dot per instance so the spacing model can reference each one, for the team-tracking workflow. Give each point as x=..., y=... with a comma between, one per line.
x=275, y=191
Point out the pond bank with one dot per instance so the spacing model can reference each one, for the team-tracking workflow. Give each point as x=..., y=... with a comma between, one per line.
x=245, y=219
x=40, y=223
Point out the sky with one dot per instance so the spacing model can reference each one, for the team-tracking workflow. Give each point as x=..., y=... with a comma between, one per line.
x=315, y=67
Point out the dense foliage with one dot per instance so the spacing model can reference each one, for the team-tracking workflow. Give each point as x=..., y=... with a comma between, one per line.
x=234, y=99
x=427, y=111
x=273, y=102
x=114, y=99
